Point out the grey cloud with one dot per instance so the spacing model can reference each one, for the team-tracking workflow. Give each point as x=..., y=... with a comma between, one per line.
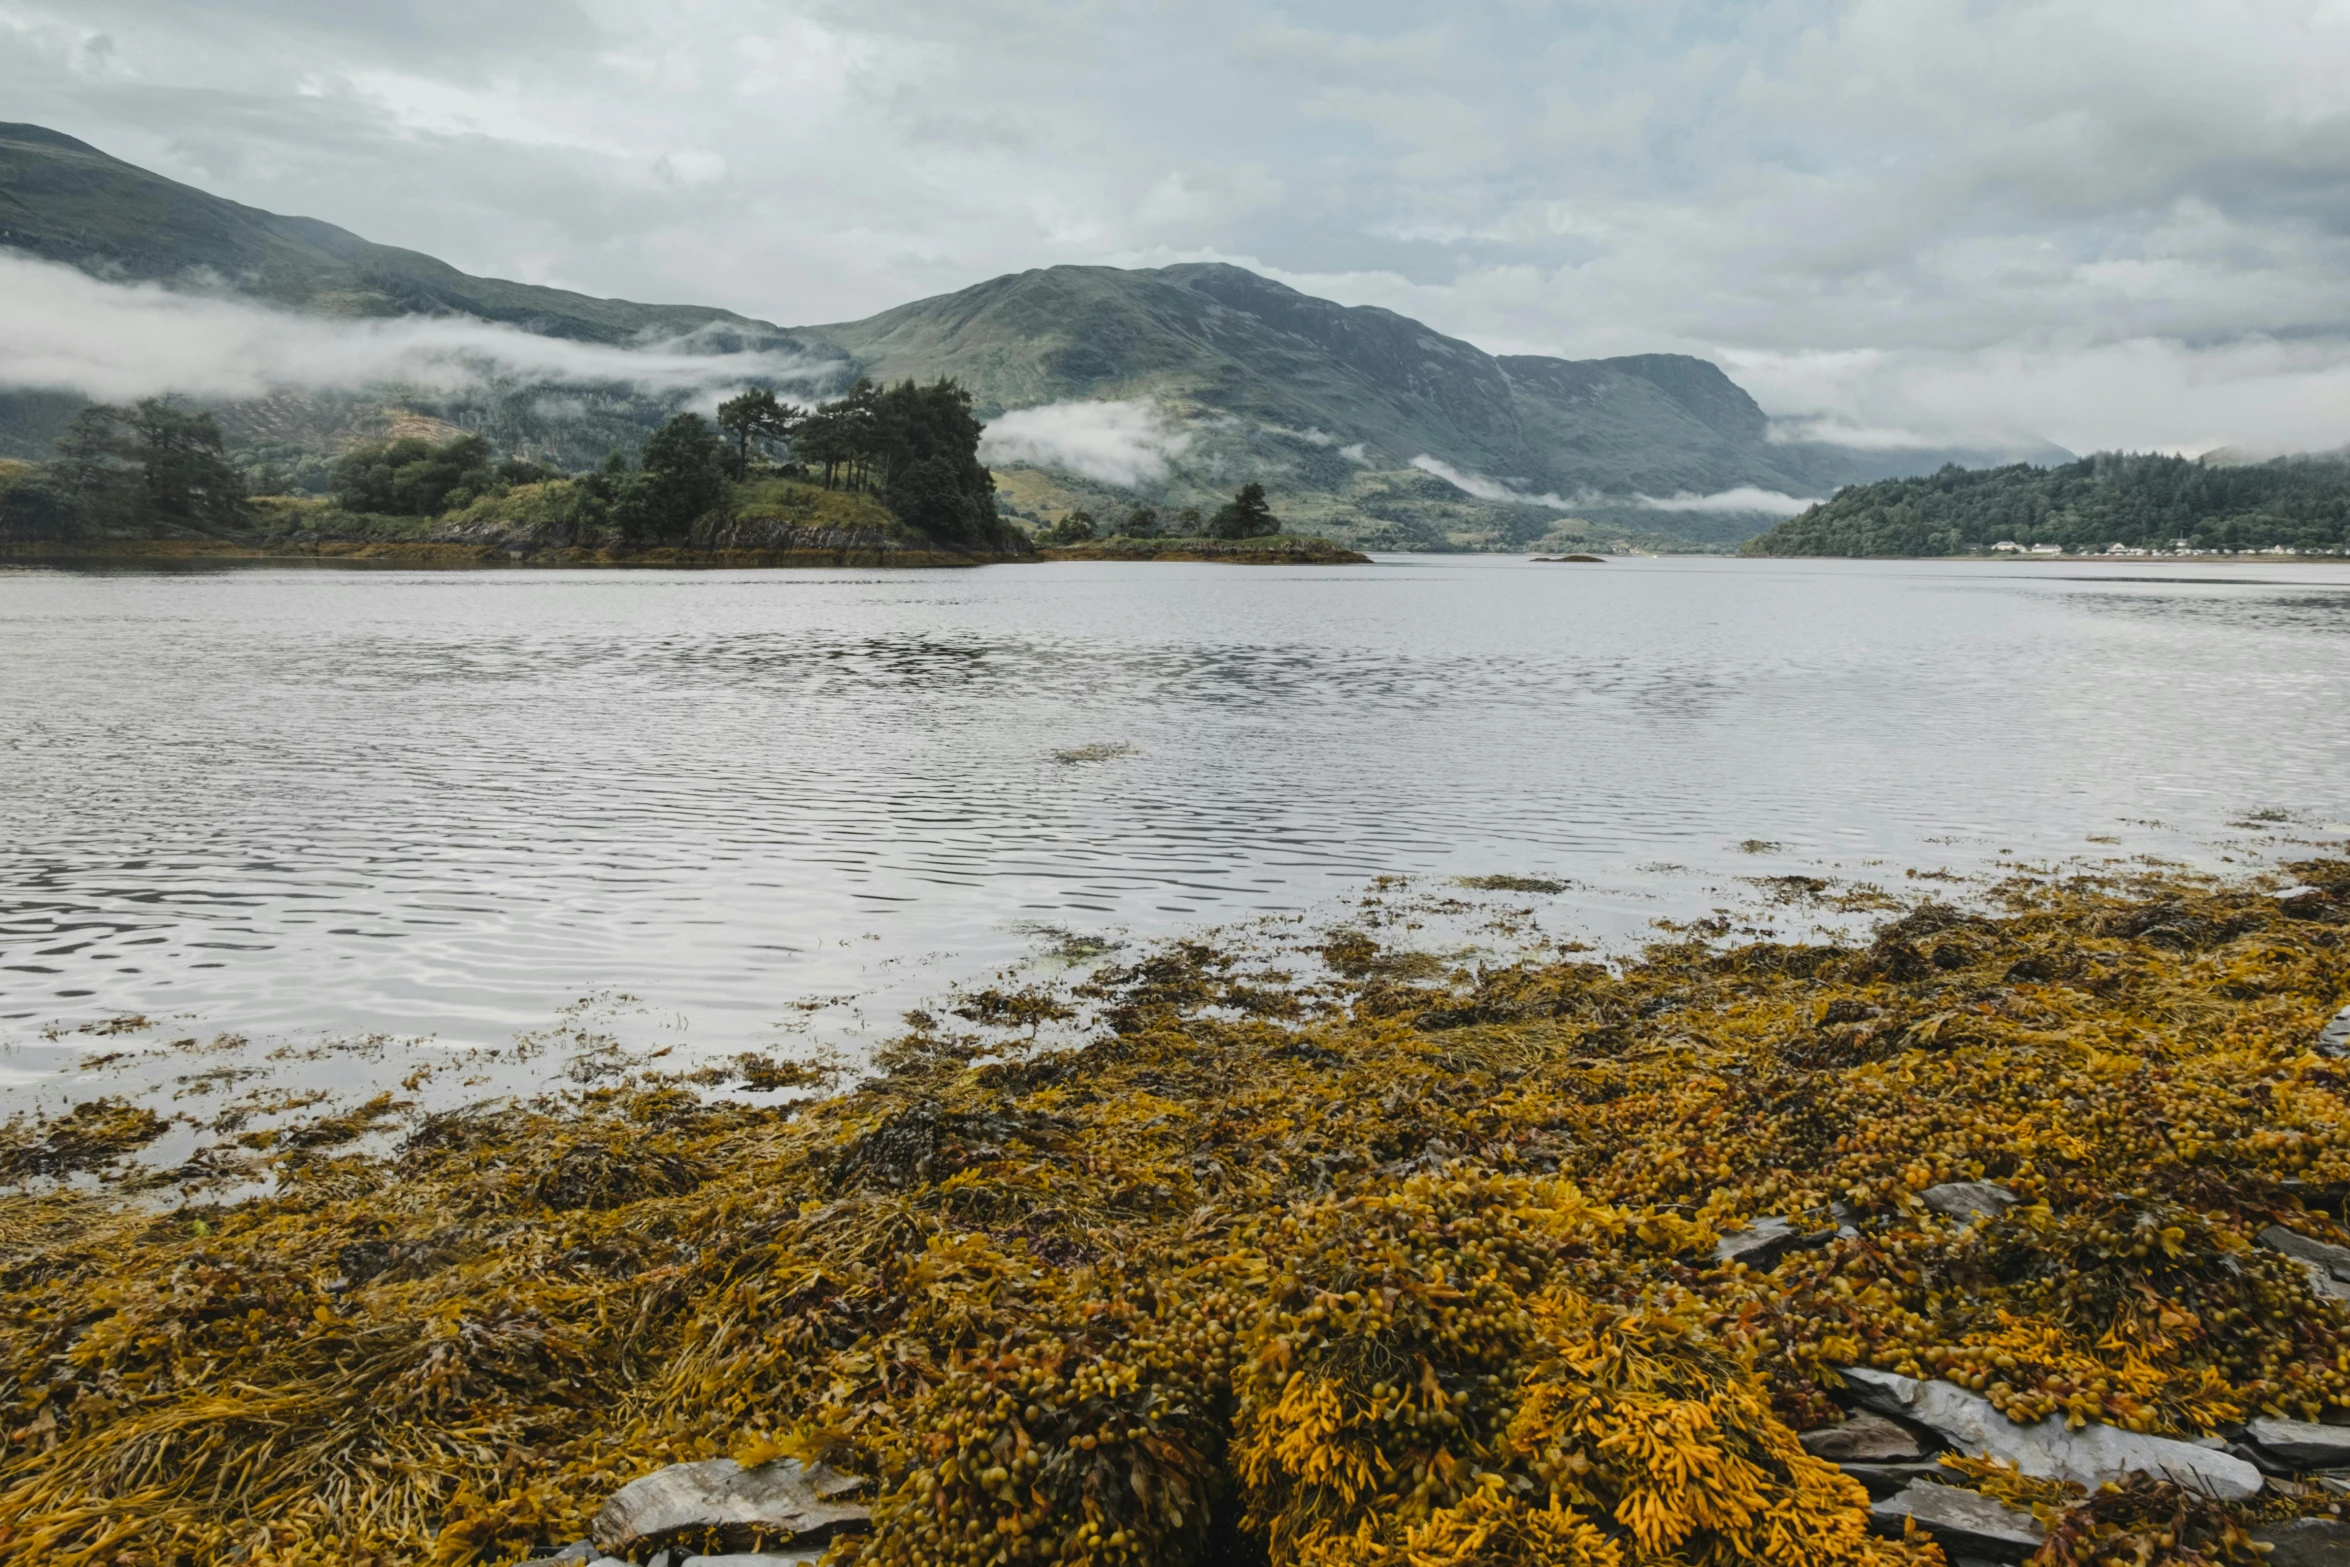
x=1909, y=194
x=62, y=330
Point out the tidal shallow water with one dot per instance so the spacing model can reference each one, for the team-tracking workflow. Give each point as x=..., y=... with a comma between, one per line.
x=774, y=806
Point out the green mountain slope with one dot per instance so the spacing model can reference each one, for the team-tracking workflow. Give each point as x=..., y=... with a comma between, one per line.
x=64, y=200
x=1330, y=404
x=2143, y=502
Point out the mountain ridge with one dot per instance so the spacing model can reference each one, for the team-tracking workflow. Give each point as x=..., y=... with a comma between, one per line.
x=1363, y=422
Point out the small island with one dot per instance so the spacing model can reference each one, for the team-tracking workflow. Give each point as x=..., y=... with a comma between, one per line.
x=879, y=477
x=1241, y=532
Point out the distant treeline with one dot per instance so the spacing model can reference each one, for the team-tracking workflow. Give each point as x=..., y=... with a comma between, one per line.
x=1246, y=516
x=2144, y=502
x=157, y=468
x=117, y=469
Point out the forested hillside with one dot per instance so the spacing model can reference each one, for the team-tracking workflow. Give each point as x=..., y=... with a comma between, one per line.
x=2142, y=501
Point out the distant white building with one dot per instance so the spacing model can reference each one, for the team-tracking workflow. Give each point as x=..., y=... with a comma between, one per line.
x=2045, y=549
x=2007, y=547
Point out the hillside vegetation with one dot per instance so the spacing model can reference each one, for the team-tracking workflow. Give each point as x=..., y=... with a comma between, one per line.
x=2144, y=502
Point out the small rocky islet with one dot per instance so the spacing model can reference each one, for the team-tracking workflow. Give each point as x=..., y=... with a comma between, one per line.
x=2011, y=1233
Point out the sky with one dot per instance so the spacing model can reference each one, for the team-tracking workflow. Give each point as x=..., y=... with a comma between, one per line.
x=2123, y=223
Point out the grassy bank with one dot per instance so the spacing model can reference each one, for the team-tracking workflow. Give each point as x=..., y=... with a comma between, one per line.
x=1387, y=1263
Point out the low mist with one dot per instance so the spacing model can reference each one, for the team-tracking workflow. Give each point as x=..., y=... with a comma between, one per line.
x=62, y=330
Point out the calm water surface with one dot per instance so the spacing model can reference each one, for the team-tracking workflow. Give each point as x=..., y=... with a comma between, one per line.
x=292, y=801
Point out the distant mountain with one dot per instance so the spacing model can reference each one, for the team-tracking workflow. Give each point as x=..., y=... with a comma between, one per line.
x=1329, y=404
x=2140, y=501
x=1165, y=387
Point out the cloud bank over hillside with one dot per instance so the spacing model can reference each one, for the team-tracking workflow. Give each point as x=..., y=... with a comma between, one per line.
x=62, y=330
x=1125, y=443
x=1942, y=220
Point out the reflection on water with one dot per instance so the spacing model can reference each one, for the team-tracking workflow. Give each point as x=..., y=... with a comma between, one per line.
x=453, y=803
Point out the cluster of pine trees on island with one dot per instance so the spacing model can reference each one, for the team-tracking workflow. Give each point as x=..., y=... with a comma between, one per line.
x=158, y=469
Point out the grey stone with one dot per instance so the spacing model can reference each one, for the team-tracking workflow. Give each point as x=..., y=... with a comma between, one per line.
x=2090, y=1456
x=1883, y=1480
x=576, y=1551
x=1762, y=1243
x=755, y=1558
x=782, y=1501
x=2306, y=1542
x=1863, y=1439
x=1960, y=1520
x=1969, y=1199
x=2301, y=1443
x=2334, y=1038
x=2266, y=1463
x=2327, y=1265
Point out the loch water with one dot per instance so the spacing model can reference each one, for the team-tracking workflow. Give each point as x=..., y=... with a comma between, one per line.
x=298, y=802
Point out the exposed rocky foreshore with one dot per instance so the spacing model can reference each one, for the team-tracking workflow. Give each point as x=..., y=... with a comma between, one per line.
x=2010, y=1234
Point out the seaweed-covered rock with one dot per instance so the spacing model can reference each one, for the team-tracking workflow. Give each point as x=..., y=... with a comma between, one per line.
x=1968, y=1199
x=1762, y=1243
x=721, y=1503
x=2090, y=1456
x=2328, y=1265
x=1960, y=1521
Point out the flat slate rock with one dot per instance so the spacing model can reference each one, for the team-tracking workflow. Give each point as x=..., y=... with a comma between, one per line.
x=781, y=1502
x=2090, y=1456
x=1883, y=1480
x=2306, y=1542
x=1762, y=1243
x=1969, y=1199
x=1863, y=1439
x=2327, y=1265
x=1960, y=1520
x=2301, y=1443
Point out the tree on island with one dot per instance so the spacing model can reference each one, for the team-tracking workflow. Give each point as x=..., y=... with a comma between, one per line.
x=1245, y=516
x=754, y=415
x=152, y=463
x=1074, y=528
x=412, y=477
x=681, y=474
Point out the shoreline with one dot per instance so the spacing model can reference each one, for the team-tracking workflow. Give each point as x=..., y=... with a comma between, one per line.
x=1317, y=552
x=1254, y=1223
x=460, y=556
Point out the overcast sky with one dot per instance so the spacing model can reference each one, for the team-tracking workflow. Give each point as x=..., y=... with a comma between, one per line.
x=2109, y=222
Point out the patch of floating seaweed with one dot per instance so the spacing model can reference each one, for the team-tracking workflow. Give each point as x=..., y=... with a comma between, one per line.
x=1409, y=1264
